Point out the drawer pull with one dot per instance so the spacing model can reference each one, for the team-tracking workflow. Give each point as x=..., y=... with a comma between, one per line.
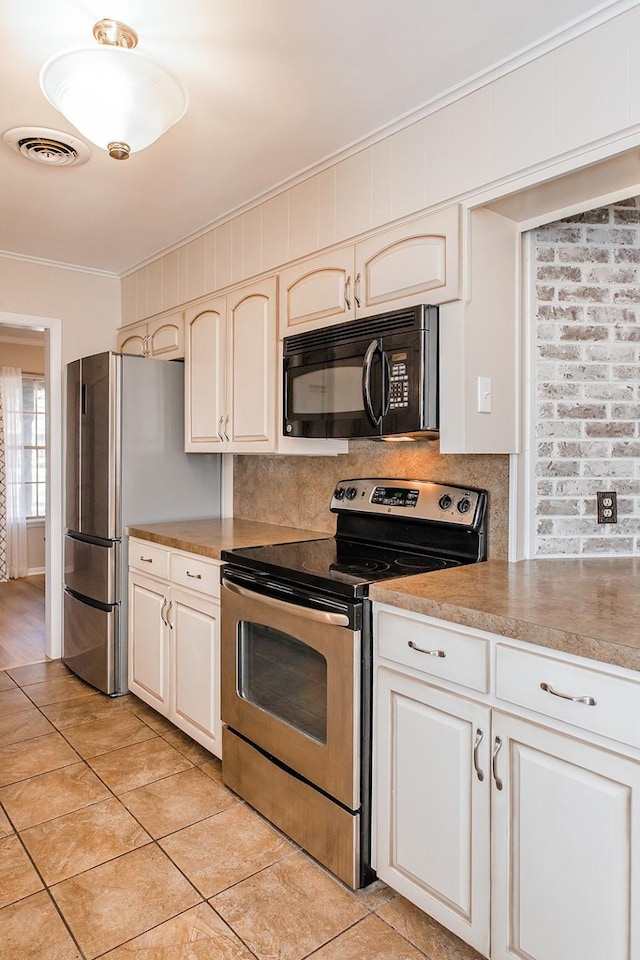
x=588, y=701
x=497, y=746
x=146, y=559
x=476, y=747
x=430, y=653
x=194, y=576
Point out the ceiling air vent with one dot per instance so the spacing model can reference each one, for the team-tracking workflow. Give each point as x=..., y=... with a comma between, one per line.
x=49, y=147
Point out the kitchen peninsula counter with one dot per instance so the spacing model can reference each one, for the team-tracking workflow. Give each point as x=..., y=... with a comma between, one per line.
x=209, y=538
x=590, y=608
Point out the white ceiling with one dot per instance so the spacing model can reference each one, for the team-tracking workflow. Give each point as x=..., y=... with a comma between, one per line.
x=273, y=86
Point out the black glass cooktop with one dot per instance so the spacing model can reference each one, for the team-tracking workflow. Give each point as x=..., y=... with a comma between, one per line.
x=346, y=566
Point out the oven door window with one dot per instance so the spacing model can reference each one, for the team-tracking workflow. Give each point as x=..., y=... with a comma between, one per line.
x=284, y=677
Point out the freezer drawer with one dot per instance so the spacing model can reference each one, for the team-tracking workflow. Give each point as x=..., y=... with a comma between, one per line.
x=92, y=568
x=90, y=641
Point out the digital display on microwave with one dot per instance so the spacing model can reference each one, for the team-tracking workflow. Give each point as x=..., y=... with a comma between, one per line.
x=394, y=497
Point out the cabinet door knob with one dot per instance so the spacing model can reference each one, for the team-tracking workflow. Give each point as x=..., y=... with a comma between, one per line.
x=347, y=293
x=476, y=747
x=497, y=746
x=162, y=616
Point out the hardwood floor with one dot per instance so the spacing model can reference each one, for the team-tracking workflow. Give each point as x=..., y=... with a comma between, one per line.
x=22, y=624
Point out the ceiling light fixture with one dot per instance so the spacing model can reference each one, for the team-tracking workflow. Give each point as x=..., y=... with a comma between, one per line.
x=115, y=97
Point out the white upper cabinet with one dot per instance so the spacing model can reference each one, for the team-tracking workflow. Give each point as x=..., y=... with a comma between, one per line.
x=417, y=262
x=251, y=366
x=317, y=291
x=205, y=375
x=231, y=371
x=133, y=339
x=162, y=338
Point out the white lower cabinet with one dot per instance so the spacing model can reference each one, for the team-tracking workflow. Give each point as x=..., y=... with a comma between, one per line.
x=174, y=640
x=148, y=641
x=565, y=847
x=432, y=805
x=518, y=832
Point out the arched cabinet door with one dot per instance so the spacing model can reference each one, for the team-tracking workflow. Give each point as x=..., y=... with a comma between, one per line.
x=133, y=340
x=251, y=367
x=418, y=262
x=205, y=375
x=316, y=292
x=166, y=337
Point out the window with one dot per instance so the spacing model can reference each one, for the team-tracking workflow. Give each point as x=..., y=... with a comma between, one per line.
x=34, y=443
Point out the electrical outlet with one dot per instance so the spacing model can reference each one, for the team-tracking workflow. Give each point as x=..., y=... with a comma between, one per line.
x=607, y=506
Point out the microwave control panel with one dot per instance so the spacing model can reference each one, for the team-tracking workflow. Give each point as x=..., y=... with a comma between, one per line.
x=398, y=382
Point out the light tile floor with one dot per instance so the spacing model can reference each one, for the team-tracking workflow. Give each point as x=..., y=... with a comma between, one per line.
x=118, y=839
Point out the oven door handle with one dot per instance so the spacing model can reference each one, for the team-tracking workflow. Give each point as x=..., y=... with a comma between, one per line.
x=284, y=606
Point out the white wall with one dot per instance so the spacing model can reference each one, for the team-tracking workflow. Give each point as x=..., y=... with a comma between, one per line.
x=87, y=304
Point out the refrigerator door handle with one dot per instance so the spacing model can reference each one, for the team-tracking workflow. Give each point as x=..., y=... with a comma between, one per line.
x=83, y=402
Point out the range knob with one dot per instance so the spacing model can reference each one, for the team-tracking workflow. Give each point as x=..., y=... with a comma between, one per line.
x=464, y=505
x=351, y=492
x=338, y=493
x=445, y=502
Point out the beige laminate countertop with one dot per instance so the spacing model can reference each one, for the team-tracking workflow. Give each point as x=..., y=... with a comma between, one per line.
x=209, y=537
x=590, y=608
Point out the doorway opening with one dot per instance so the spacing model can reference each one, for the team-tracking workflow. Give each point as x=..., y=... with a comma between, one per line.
x=30, y=626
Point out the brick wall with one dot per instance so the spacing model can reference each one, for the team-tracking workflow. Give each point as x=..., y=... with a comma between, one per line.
x=587, y=435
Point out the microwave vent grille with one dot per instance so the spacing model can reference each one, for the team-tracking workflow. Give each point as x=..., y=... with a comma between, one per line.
x=414, y=318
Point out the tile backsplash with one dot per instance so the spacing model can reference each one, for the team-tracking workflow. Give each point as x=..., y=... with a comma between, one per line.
x=297, y=490
x=587, y=419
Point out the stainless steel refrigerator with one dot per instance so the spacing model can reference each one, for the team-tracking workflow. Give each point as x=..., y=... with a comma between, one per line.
x=125, y=465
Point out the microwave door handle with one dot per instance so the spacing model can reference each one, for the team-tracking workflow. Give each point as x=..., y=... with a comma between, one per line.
x=386, y=380
x=372, y=349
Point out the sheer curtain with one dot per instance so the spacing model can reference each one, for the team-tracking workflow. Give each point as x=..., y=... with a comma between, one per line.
x=12, y=454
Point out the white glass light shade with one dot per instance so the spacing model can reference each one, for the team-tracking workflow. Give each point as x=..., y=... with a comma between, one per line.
x=113, y=95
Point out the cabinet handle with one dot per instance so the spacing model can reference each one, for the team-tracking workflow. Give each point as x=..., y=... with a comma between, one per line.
x=588, y=701
x=347, y=293
x=169, y=624
x=194, y=576
x=162, y=616
x=220, y=422
x=226, y=424
x=356, y=292
x=146, y=559
x=430, y=653
x=497, y=746
x=476, y=746
x=145, y=346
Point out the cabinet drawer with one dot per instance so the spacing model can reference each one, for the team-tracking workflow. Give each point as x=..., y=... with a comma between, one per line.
x=196, y=573
x=149, y=558
x=434, y=648
x=527, y=679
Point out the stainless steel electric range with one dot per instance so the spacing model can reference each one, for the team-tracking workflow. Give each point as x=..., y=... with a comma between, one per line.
x=297, y=652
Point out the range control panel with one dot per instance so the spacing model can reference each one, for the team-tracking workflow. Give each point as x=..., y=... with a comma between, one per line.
x=417, y=499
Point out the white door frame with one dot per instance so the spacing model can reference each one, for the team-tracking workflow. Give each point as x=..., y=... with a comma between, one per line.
x=54, y=518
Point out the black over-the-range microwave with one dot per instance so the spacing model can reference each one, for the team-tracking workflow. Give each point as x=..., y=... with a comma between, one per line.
x=376, y=377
